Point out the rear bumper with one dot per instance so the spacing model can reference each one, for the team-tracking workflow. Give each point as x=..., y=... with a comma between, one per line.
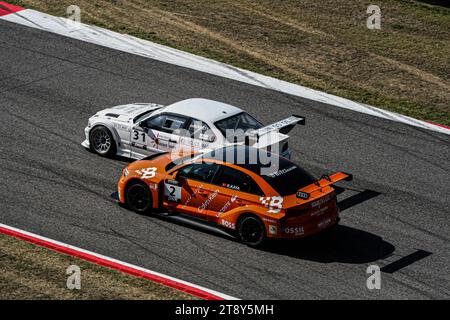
x=301, y=227
x=287, y=154
x=288, y=232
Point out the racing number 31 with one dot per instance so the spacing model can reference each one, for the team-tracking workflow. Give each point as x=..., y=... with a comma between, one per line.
x=136, y=135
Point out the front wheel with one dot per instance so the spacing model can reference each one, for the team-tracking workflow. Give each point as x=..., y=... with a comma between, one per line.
x=138, y=197
x=101, y=141
x=251, y=231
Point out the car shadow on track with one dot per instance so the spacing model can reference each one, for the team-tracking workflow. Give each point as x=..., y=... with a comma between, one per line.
x=356, y=199
x=342, y=244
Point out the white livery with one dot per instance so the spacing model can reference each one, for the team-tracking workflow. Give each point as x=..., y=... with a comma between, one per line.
x=141, y=129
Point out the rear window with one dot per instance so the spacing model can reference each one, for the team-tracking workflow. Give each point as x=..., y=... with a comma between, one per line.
x=241, y=122
x=289, y=178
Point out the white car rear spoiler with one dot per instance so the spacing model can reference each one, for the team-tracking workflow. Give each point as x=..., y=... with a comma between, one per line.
x=282, y=126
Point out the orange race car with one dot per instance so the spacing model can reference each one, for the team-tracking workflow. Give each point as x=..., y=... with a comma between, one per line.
x=229, y=189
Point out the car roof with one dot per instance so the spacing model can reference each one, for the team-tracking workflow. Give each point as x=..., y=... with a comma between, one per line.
x=203, y=109
x=240, y=156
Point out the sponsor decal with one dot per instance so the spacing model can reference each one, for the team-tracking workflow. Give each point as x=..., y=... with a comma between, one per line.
x=272, y=229
x=270, y=220
x=319, y=212
x=228, y=224
x=226, y=206
x=147, y=173
x=273, y=203
x=192, y=195
x=278, y=125
x=231, y=186
x=205, y=204
x=324, y=223
x=294, y=230
x=281, y=172
x=194, y=143
x=302, y=195
x=321, y=201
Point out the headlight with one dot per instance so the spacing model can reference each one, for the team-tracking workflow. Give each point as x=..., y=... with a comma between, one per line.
x=125, y=172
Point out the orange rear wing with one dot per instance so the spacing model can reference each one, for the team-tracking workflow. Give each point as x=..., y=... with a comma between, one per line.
x=326, y=180
x=323, y=181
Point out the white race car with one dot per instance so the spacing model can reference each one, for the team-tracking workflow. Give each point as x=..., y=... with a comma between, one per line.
x=142, y=129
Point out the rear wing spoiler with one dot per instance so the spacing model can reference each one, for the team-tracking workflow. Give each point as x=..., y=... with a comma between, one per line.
x=282, y=126
x=324, y=181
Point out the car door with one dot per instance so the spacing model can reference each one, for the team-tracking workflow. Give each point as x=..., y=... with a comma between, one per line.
x=235, y=189
x=156, y=134
x=199, y=136
x=193, y=194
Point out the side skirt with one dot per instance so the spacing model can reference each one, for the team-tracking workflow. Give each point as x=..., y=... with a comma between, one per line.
x=196, y=223
x=185, y=219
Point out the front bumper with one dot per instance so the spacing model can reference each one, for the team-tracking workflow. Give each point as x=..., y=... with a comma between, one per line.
x=85, y=143
x=115, y=197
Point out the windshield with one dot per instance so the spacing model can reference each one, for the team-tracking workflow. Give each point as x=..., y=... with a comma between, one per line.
x=143, y=115
x=240, y=123
x=182, y=160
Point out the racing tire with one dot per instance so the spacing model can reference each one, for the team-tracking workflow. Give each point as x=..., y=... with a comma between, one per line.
x=251, y=231
x=101, y=141
x=138, y=197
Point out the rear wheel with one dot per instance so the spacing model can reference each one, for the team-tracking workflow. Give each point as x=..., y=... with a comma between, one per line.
x=138, y=197
x=101, y=141
x=251, y=231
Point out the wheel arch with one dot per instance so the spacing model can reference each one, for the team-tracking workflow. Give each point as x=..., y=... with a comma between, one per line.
x=155, y=193
x=111, y=129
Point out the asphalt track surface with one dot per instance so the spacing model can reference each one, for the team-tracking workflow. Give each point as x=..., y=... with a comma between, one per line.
x=395, y=212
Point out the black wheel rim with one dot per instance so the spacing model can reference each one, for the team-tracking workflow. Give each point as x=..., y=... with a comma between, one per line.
x=251, y=231
x=138, y=198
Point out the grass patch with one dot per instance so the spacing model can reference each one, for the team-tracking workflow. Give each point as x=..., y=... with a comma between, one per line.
x=33, y=272
x=404, y=67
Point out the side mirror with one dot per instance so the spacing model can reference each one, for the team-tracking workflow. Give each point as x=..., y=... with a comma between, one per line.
x=181, y=179
x=176, y=179
x=173, y=182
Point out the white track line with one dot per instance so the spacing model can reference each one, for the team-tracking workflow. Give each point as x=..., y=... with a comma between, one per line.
x=133, y=45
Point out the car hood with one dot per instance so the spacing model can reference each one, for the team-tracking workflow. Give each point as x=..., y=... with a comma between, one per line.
x=128, y=111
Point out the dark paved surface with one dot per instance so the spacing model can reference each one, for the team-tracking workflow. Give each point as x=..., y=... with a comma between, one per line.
x=399, y=199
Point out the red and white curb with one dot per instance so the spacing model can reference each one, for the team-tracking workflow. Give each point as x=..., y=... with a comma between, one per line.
x=6, y=8
x=133, y=45
x=108, y=262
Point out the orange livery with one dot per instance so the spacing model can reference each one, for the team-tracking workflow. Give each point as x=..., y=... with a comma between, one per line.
x=251, y=193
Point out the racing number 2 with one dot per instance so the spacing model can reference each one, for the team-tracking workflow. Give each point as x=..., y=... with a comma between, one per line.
x=136, y=135
x=172, y=192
